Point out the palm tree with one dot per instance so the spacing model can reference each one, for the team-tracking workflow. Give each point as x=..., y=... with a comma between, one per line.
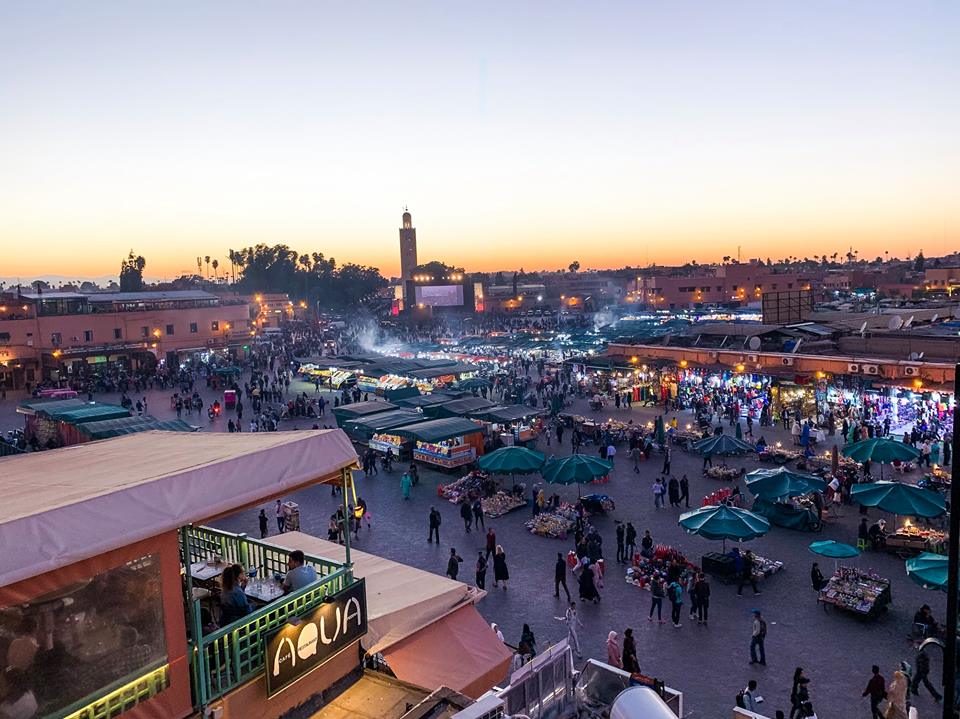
x=206, y=259
x=216, y=264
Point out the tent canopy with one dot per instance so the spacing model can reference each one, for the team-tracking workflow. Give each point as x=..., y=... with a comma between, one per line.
x=65, y=505
x=428, y=400
x=32, y=406
x=360, y=409
x=437, y=430
x=371, y=424
x=508, y=413
x=104, y=429
x=458, y=407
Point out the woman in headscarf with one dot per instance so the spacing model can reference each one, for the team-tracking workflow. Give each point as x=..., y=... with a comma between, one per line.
x=588, y=590
x=500, y=572
x=613, y=651
x=496, y=630
x=528, y=642
x=897, y=697
x=630, y=662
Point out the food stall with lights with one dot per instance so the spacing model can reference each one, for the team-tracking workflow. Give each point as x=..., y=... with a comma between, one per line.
x=355, y=410
x=446, y=443
x=363, y=429
x=463, y=407
x=514, y=424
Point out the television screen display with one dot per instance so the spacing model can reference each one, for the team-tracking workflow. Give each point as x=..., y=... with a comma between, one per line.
x=440, y=295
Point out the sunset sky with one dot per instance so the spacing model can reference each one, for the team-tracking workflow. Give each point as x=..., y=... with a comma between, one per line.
x=519, y=134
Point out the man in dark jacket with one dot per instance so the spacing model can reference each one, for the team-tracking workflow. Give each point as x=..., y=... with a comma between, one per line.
x=560, y=577
x=453, y=564
x=876, y=690
x=481, y=570
x=434, y=525
x=466, y=514
x=701, y=593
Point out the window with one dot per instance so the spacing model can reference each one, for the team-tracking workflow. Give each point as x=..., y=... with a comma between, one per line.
x=117, y=333
x=144, y=331
x=215, y=326
x=56, y=339
x=88, y=335
x=111, y=628
x=193, y=328
x=169, y=329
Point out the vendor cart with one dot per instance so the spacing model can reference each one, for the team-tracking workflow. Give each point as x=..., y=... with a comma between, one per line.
x=598, y=503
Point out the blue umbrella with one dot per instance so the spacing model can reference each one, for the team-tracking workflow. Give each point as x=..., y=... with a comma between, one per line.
x=723, y=522
x=722, y=444
x=576, y=469
x=834, y=550
x=929, y=570
x=781, y=483
x=907, y=500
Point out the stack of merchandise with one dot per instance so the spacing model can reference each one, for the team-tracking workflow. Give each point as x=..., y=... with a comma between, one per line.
x=501, y=503
x=857, y=591
x=666, y=562
x=476, y=484
x=723, y=472
x=556, y=523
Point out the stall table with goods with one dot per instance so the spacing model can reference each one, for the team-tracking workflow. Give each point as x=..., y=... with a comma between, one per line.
x=473, y=484
x=863, y=593
x=387, y=444
x=666, y=561
x=797, y=513
x=723, y=472
x=685, y=437
x=936, y=478
x=724, y=495
x=779, y=455
x=555, y=524
x=722, y=566
x=913, y=539
x=501, y=503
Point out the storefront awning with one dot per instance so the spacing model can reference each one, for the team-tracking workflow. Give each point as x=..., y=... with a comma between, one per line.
x=382, y=421
x=458, y=407
x=105, y=429
x=510, y=413
x=437, y=430
x=459, y=651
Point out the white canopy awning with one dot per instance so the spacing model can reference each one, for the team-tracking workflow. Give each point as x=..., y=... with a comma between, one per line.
x=64, y=505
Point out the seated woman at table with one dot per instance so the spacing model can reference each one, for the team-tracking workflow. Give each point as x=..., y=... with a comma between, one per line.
x=877, y=534
x=233, y=602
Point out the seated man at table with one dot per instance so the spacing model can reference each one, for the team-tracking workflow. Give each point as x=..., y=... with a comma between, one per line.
x=878, y=537
x=925, y=618
x=299, y=574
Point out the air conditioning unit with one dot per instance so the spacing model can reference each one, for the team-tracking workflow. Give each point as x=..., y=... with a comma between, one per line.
x=853, y=368
x=870, y=369
x=753, y=358
x=786, y=361
x=911, y=371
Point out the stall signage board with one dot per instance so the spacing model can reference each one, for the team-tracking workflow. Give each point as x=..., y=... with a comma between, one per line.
x=305, y=643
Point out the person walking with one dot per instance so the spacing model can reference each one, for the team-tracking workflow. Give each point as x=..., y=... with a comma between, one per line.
x=635, y=454
x=478, y=514
x=877, y=690
x=500, y=572
x=621, y=534
x=630, y=543
x=799, y=694
x=560, y=577
x=630, y=662
x=435, y=520
x=614, y=651
x=656, y=598
x=684, y=491
x=481, y=570
x=491, y=543
x=666, y=460
x=659, y=489
x=701, y=590
x=572, y=620
x=453, y=563
x=262, y=517
x=746, y=574
x=675, y=593
x=897, y=693
x=466, y=514
x=758, y=635
x=921, y=673
x=406, y=482
x=281, y=519
x=673, y=490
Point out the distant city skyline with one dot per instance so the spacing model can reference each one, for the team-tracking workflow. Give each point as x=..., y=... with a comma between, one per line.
x=520, y=136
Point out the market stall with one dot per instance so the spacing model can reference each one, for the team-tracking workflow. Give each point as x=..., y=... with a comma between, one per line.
x=447, y=443
x=501, y=503
x=463, y=407
x=666, y=562
x=796, y=513
x=723, y=472
x=857, y=591
x=723, y=566
x=514, y=424
x=363, y=428
x=556, y=523
x=355, y=410
x=910, y=538
x=469, y=487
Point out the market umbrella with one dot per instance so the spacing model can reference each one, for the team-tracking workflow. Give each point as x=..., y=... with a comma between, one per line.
x=880, y=449
x=512, y=460
x=929, y=570
x=904, y=499
x=781, y=483
x=739, y=432
x=575, y=469
x=723, y=522
x=834, y=550
x=723, y=444
x=661, y=439
x=834, y=461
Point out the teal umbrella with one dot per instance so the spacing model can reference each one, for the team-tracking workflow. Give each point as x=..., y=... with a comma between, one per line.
x=908, y=500
x=880, y=449
x=722, y=444
x=834, y=550
x=576, y=469
x=929, y=570
x=723, y=522
x=782, y=483
x=658, y=431
x=512, y=460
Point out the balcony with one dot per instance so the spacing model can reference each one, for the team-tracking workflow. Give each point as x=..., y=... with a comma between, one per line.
x=232, y=655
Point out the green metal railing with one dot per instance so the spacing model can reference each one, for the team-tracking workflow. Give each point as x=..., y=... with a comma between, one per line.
x=224, y=659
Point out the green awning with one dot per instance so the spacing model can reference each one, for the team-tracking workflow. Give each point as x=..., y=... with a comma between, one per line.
x=510, y=413
x=32, y=406
x=458, y=407
x=360, y=409
x=87, y=413
x=437, y=430
x=130, y=425
x=365, y=427
x=428, y=400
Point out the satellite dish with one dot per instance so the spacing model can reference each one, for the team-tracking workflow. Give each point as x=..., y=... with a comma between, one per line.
x=754, y=343
x=863, y=328
x=895, y=323
x=908, y=322
x=920, y=356
x=936, y=316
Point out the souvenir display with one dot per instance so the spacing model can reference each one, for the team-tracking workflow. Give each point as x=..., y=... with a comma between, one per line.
x=555, y=523
x=723, y=472
x=500, y=503
x=857, y=591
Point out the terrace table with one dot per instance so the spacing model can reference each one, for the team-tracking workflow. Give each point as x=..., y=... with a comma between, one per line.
x=263, y=590
x=204, y=571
